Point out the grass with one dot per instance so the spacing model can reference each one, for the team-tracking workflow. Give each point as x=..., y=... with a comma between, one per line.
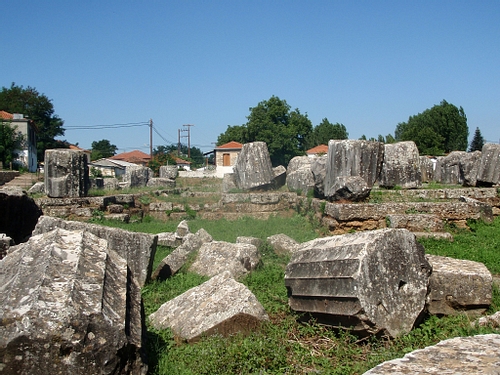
x=284, y=345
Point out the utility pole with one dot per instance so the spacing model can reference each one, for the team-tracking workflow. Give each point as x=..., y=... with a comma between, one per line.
x=178, y=142
x=189, y=138
x=151, y=138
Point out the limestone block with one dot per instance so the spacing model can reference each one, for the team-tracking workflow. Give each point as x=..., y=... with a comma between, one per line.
x=257, y=242
x=173, y=262
x=375, y=282
x=401, y=166
x=458, y=286
x=459, y=168
x=137, y=176
x=37, y=188
x=427, y=168
x=460, y=355
x=318, y=170
x=218, y=256
x=351, y=188
x=168, y=239
x=489, y=167
x=182, y=229
x=229, y=183
x=137, y=248
x=169, y=171
x=5, y=242
x=221, y=305
x=279, y=173
x=66, y=173
x=283, y=244
x=160, y=181
x=18, y=214
x=69, y=306
x=416, y=222
x=253, y=169
x=300, y=178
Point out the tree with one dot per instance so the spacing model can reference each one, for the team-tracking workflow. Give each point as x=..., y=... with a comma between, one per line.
x=10, y=142
x=477, y=142
x=102, y=149
x=37, y=107
x=438, y=130
x=325, y=131
x=273, y=122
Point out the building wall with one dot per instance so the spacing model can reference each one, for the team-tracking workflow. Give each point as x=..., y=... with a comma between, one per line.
x=219, y=157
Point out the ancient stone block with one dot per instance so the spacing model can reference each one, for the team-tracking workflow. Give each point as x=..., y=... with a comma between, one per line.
x=489, y=168
x=18, y=214
x=37, y=188
x=318, y=170
x=137, y=248
x=458, y=286
x=375, y=282
x=229, y=183
x=401, y=166
x=283, y=244
x=299, y=175
x=427, y=168
x=416, y=222
x=351, y=188
x=253, y=169
x=460, y=355
x=137, y=176
x=169, y=171
x=257, y=242
x=459, y=168
x=219, y=306
x=69, y=305
x=279, y=173
x=161, y=181
x=218, y=256
x=66, y=173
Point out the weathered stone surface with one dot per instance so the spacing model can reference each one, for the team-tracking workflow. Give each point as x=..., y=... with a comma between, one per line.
x=253, y=169
x=37, y=188
x=229, y=183
x=459, y=168
x=318, y=170
x=257, y=242
x=221, y=306
x=137, y=248
x=218, y=256
x=110, y=184
x=485, y=210
x=177, y=258
x=66, y=173
x=458, y=286
x=182, y=229
x=489, y=168
x=375, y=282
x=279, y=176
x=347, y=158
x=299, y=162
x=283, y=244
x=5, y=242
x=18, y=214
x=137, y=176
x=436, y=235
x=460, y=355
x=169, y=171
x=118, y=217
x=161, y=206
x=115, y=208
x=427, y=168
x=168, y=239
x=161, y=181
x=299, y=176
x=69, y=306
x=416, y=222
x=489, y=320
x=401, y=166
x=351, y=188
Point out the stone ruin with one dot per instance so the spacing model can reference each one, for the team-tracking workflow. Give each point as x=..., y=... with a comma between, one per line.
x=66, y=173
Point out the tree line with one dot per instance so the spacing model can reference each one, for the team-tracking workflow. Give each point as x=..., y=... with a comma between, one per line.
x=287, y=132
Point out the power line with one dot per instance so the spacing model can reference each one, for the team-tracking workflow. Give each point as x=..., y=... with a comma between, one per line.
x=109, y=126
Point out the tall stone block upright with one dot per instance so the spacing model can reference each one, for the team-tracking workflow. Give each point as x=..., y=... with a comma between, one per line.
x=66, y=173
x=374, y=282
x=401, y=166
x=352, y=158
x=489, y=168
x=253, y=169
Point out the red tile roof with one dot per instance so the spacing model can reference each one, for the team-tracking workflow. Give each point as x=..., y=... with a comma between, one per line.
x=182, y=161
x=232, y=144
x=75, y=147
x=6, y=115
x=136, y=157
x=321, y=149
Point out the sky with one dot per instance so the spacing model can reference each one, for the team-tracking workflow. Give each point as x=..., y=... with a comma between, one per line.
x=110, y=67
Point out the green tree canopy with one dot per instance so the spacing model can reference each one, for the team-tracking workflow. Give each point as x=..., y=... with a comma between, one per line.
x=438, y=130
x=195, y=155
x=272, y=121
x=102, y=149
x=477, y=142
x=325, y=131
x=10, y=142
x=37, y=107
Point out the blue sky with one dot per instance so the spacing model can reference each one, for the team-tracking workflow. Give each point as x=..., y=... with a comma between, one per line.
x=366, y=64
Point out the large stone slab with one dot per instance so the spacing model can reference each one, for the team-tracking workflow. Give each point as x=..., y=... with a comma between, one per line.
x=416, y=222
x=458, y=286
x=352, y=158
x=68, y=305
x=218, y=256
x=401, y=166
x=460, y=355
x=169, y=171
x=458, y=168
x=318, y=170
x=283, y=244
x=66, y=173
x=137, y=176
x=489, y=168
x=18, y=214
x=137, y=248
x=373, y=282
x=298, y=174
x=253, y=169
x=219, y=306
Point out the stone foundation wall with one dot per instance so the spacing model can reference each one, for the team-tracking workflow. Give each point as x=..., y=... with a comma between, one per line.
x=6, y=176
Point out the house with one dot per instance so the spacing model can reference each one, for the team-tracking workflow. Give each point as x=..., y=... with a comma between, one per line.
x=27, y=155
x=226, y=156
x=135, y=157
x=186, y=165
x=109, y=167
x=317, y=151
